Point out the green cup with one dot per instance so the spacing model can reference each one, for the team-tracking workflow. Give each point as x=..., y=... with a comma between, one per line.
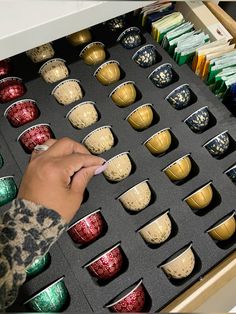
x=1, y=161
x=8, y=190
x=38, y=266
x=54, y=298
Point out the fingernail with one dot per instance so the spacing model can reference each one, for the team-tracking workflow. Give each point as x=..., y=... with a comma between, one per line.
x=100, y=169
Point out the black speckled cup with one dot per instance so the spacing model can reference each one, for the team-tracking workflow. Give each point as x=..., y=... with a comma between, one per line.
x=198, y=121
x=218, y=145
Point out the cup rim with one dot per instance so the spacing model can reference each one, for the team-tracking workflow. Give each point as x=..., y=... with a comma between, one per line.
x=18, y=102
x=117, y=87
x=162, y=130
x=61, y=83
x=125, y=296
x=31, y=127
x=5, y=177
x=104, y=64
x=114, y=157
x=78, y=105
x=220, y=224
x=146, y=180
x=174, y=90
x=140, y=49
x=232, y=167
x=159, y=67
x=50, y=61
x=100, y=255
x=97, y=129
x=87, y=216
x=171, y=261
x=197, y=191
x=10, y=78
x=171, y=164
x=99, y=43
x=127, y=30
x=53, y=283
x=208, y=142
x=195, y=113
x=144, y=105
x=154, y=220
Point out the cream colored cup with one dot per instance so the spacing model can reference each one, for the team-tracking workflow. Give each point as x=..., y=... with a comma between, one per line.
x=224, y=230
x=158, y=230
x=99, y=140
x=54, y=70
x=41, y=53
x=67, y=92
x=136, y=198
x=201, y=198
x=80, y=38
x=181, y=266
x=83, y=115
x=119, y=167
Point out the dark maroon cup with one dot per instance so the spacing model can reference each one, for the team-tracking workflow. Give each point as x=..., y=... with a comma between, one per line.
x=132, y=300
x=11, y=88
x=22, y=112
x=108, y=265
x=35, y=135
x=87, y=229
x=5, y=67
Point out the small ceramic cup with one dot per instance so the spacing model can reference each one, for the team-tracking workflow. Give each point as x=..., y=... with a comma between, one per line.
x=54, y=70
x=132, y=300
x=124, y=94
x=130, y=38
x=218, y=145
x=231, y=173
x=159, y=142
x=53, y=298
x=8, y=190
x=38, y=265
x=179, y=169
x=80, y=38
x=118, y=167
x=35, y=135
x=136, y=198
x=22, y=112
x=108, y=73
x=83, y=115
x=223, y=230
x=67, y=92
x=5, y=67
x=116, y=24
x=141, y=118
x=180, y=97
x=162, y=76
x=107, y=265
x=198, y=121
x=158, y=230
x=99, y=140
x=93, y=53
x=87, y=229
x=181, y=266
x=1, y=161
x=41, y=53
x=146, y=56
x=11, y=88
x=201, y=198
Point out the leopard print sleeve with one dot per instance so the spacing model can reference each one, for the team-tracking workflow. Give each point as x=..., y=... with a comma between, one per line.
x=27, y=231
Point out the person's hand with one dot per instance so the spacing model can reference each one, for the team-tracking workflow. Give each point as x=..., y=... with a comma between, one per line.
x=57, y=178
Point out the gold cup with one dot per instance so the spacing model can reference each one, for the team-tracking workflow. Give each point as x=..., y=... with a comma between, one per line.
x=54, y=70
x=119, y=167
x=41, y=53
x=80, y=38
x=159, y=142
x=108, y=73
x=223, y=230
x=201, y=198
x=179, y=169
x=124, y=94
x=83, y=115
x=141, y=118
x=93, y=53
x=67, y=92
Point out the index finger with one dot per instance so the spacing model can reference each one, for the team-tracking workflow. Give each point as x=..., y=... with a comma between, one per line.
x=66, y=146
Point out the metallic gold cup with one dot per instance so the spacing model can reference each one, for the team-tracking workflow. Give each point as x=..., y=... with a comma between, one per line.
x=179, y=169
x=159, y=142
x=124, y=95
x=8, y=190
x=80, y=38
x=108, y=73
x=201, y=198
x=223, y=230
x=93, y=53
x=141, y=118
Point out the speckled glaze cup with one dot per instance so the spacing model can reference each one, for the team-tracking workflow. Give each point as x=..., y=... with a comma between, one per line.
x=159, y=142
x=54, y=70
x=118, y=167
x=108, y=73
x=41, y=53
x=38, y=265
x=80, y=38
x=124, y=95
x=83, y=115
x=130, y=38
x=162, y=76
x=181, y=266
x=198, y=121
x=11, y=88
x=116, y=23
x=158, y=230
x=180, y=97
x=99, y=140
x=141, y=118
x=179, y=169
x=8, y=190
x=201, y=198
x=136, y=198
x=146, y=56
x=54, y=298
x=1, y=161
x=218, y=145
x=5, y=67
x=223, y=230
x=67, y=92
x=93, y=53
x=231, y=173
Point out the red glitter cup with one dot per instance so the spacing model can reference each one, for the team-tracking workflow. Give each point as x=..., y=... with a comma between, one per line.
x=107, y=265
x=22, y=112
x=11, y=88
x=35, y=135
x=5, y=67
x=132, y=300
x=87, y=229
